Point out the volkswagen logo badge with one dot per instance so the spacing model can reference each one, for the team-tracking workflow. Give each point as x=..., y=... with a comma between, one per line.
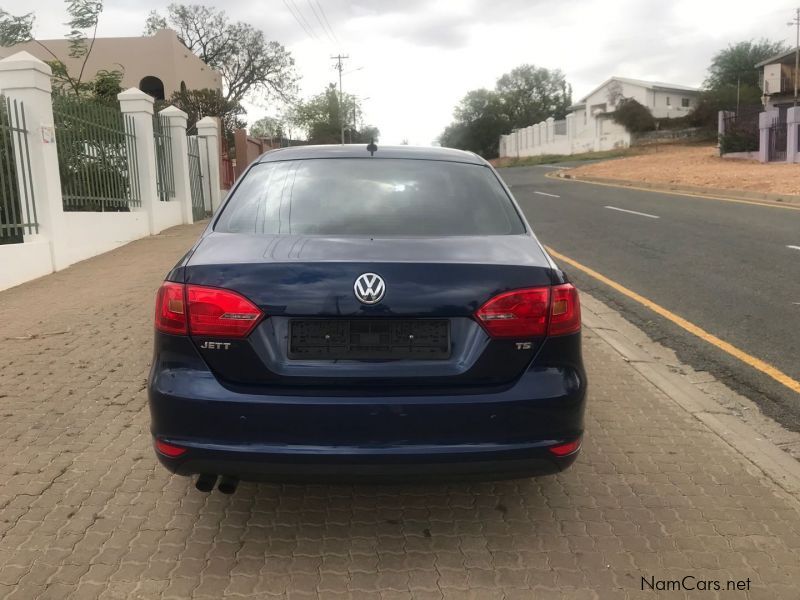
x=369, y=288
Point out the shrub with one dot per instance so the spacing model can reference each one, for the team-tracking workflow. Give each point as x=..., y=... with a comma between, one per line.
x=738, y=141
x=634, y=116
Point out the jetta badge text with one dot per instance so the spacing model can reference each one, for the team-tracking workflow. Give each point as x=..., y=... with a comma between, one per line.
x=215, y=345
x=369, y=288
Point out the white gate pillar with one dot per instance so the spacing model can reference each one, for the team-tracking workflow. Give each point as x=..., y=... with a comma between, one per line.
x=180, y=160
x=792, y=134
x=764, y=123
x=26, y=79
x=208, y=138
x=139, y=106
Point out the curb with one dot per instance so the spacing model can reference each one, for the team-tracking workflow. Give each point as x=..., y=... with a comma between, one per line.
x=706, y=406
x=684, y=190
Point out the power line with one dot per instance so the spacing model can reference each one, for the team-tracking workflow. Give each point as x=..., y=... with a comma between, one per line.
x=327, y=23
x=302, y=16
x=322, y=26
x=298, y=19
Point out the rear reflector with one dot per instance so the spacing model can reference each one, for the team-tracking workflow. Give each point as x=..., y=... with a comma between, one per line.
x=168, y=449
x=171, y=309
x=565, y=449
x=516, y=314
x=220, y=313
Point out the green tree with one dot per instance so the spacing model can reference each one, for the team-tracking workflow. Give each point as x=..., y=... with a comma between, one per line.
x=733, y=80
x=737, y=63
x=522, y=97
x=209, y=103
x=84, y=18
x=248, y=63
x=479, y=120
x=267, y=127
x=531, y=94
x=319, y=118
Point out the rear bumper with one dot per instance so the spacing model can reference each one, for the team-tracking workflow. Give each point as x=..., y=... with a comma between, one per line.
x=356, y=464
x=394, y=436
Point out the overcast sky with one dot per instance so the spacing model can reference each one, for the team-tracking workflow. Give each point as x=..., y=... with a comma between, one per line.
x=417, y=58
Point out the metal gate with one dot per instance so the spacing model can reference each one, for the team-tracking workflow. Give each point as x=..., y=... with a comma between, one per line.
x=776, y=148
x=165, y=176
x=17, y=206
x=196, y=180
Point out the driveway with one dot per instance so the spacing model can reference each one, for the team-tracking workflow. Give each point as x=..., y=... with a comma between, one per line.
x=86, y=512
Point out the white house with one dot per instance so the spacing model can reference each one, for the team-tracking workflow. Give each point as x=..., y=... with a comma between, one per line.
x=590, y=126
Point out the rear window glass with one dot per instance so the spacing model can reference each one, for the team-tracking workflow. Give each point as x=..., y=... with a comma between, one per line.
x=363, y=196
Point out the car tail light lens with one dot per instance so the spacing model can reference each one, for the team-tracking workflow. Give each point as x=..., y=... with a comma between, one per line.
x=216, y=312
x=518, y=314
x=169, y=449
x=565, y=449
x=171, y=309
x=532, y=312
x=565, y=310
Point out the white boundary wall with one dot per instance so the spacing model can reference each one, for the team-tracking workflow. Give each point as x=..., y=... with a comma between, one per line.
x=541, y=138
x=65, y=238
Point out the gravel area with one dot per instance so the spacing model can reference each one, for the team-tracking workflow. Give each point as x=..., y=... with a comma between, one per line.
x=699, y=166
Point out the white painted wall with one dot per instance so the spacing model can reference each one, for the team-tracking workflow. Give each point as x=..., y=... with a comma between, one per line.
x=168, y=214
x=592, y=129
x=108, y=230
x=65, y=238
x=22, y=262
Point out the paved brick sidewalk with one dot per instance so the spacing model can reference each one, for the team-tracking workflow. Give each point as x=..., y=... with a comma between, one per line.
x=86, y=512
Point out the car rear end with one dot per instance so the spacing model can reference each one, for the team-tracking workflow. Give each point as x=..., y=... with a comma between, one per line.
x=381, y=317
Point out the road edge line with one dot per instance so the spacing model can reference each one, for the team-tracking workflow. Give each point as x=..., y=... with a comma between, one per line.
x=766, y=203
x=748, y=359
x=775, y=464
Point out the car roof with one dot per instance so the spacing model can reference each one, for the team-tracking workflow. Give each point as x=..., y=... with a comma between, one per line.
x=360, y=151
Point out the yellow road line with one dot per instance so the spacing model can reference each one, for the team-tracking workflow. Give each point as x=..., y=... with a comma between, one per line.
x=746, y=358
x=552, y=175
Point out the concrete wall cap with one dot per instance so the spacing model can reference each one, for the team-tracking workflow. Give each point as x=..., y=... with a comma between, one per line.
x=24, y=60
x=173, y=111
x=135, y=94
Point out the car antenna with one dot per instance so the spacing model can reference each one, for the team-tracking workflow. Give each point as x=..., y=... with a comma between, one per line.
x=371, y=147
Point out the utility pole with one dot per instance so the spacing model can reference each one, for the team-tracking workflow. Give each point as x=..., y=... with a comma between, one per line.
x=796, y=23
x=339, y=67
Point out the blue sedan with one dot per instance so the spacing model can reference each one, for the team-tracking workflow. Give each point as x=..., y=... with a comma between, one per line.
x=358, y=313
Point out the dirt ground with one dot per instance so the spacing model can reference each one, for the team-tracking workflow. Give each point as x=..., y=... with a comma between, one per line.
x=699, y=166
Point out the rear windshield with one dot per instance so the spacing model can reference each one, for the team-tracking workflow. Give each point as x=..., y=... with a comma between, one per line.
x=363, y=196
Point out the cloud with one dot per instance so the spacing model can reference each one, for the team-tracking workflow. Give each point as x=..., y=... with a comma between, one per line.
x=419, y=57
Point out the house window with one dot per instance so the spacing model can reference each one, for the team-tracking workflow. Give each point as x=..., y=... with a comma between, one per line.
x=669, y=102
x=685, y=102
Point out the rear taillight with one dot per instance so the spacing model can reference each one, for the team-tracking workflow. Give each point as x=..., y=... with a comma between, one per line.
x=171, y=309
x=565, y=310
x=532, y=312
x=203, y=311
x=521, y=313
x=220, y=313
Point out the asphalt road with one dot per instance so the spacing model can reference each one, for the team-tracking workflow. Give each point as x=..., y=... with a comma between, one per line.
x=726, y=267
